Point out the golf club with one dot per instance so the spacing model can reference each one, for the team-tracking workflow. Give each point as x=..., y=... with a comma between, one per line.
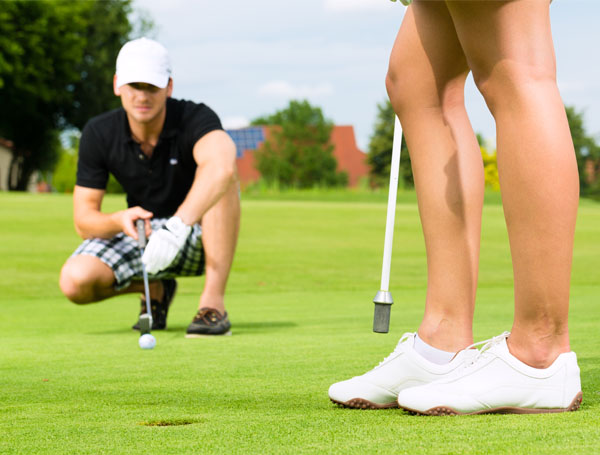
x=145, y=322
x=383, y=299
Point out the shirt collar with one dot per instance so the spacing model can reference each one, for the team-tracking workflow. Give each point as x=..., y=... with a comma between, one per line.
x=169, y=128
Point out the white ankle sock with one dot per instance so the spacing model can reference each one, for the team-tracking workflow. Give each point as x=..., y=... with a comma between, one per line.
x=432, y=354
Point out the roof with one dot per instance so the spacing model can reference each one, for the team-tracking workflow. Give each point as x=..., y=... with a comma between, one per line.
x=349, y=157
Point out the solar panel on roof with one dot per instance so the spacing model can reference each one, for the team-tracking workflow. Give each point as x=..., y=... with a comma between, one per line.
x=247, y=138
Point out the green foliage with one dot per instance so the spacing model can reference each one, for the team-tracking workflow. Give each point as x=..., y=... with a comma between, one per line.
x=490, y=168
x=65, y=172
x=380, y=150
x=299, y=154
x=56, y=66
x=587, y=153
x=63, y=177
x=39, y=49
x=113, y=186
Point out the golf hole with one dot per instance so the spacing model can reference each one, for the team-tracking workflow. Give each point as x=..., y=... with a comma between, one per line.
x=167, y=423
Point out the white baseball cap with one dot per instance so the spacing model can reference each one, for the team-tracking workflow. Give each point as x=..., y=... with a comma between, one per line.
x=143, y=60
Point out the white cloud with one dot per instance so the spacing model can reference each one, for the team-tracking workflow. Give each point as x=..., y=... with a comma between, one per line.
x=357, y=5
x=223, y=54
x=283, y=89
x=235, y=122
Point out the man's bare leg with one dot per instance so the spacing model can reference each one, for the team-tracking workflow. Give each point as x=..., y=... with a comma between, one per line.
x=86, y=279
x=220, y=228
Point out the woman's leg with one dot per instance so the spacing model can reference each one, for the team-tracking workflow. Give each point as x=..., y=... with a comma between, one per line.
x=425, y=82
x=509, y=48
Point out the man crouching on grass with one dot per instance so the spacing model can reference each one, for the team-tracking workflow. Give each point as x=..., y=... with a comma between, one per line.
x=177, y=167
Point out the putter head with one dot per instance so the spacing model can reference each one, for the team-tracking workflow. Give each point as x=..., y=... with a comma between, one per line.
x=383, y=305
x=145, y=323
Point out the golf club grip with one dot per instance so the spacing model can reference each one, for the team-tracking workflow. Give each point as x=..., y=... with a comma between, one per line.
x=381, y=318
x=141, y=232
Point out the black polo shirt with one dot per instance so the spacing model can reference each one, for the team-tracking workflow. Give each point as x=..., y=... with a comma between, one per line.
x=160, y=183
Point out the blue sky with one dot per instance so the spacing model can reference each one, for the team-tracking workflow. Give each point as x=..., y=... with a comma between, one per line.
x=245, y=59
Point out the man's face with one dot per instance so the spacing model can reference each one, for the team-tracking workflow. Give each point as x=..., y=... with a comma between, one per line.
x=143, y=102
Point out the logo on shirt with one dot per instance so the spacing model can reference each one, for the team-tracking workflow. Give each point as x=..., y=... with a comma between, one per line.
x=173, y=161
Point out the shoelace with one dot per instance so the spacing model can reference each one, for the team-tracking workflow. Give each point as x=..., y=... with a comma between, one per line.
x=487, y=345
x=398, y=349
x=208, y=315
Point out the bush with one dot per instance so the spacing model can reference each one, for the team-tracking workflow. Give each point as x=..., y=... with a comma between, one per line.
x=63, y=178
x=65, y=174
x=490, y=169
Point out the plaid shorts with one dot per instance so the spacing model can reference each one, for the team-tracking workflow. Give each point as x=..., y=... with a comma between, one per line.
x=122, y=254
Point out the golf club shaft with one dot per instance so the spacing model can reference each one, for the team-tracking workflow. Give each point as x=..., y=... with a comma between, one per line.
x=383, y=299
x=146, y=290
x=391, y=209
x=141, y=232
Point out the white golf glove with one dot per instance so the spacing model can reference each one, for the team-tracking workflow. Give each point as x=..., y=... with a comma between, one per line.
x=164, y=245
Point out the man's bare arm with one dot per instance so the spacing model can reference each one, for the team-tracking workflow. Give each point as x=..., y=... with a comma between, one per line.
x=91, y=222
x=215, y=155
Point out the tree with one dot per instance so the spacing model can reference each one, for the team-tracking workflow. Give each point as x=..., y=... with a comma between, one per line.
x=56, y=66
x=300, y=154
x=586, y=151
x=380, y=149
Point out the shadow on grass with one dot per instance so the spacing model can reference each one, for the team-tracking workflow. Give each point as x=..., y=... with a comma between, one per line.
x=168, y=422
x=237, y=328
x=260, y=327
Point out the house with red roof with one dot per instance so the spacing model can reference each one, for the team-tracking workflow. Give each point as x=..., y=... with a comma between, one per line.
x=349, y=157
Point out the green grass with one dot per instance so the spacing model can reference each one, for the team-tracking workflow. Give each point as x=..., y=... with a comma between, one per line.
x=354, y=195
x=73, y=380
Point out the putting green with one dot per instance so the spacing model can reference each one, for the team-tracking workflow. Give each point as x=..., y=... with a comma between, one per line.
x=73, y=379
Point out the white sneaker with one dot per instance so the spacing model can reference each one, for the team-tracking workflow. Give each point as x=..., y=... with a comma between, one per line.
x=403, y=368
x=497, y=382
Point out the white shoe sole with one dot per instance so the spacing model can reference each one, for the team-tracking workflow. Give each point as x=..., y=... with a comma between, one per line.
x=403, y=368
x=361, y=403
x=448, y=411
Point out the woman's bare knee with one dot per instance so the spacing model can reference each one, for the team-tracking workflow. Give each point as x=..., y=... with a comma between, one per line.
x=398, y=85
x=512, y=83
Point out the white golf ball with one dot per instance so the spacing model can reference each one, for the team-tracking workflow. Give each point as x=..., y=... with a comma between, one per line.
x=147, y=341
